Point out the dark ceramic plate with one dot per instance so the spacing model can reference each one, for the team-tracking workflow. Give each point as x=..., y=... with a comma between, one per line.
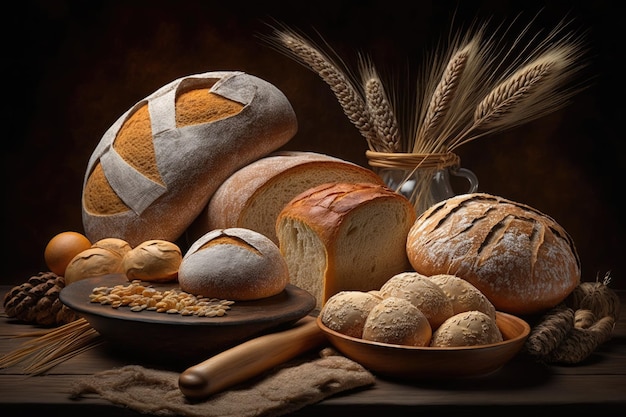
x=162, y=335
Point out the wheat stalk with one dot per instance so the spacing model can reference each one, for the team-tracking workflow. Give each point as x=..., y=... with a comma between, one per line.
x=530, y=92
x=381, y=112
x=443, y=96
x=345, y=91
x=511, y=94
x=52, y=347
x=481, y=88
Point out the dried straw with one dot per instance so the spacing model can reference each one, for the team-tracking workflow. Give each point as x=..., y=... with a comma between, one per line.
x=52, y=347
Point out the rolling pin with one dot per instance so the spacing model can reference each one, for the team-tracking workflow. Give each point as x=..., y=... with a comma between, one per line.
x=249, y=359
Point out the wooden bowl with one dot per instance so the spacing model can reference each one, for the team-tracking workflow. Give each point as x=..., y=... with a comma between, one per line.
x=183, y=338
x=415, y=363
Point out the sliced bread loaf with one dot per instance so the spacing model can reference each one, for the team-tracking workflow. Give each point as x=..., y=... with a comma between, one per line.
x=344, y=236
x=253, y=196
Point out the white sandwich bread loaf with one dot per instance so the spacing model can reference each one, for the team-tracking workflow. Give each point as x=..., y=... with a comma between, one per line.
x=253, y=196
x=156, y=167
x=344, y=236
x=522, y=260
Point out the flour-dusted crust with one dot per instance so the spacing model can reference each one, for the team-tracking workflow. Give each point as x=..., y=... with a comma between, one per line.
x=397, y=321
x=469, y=328
x=347, y=311
x=233, y=264
x=521, y=259
x=161, y=185
x=254, y=195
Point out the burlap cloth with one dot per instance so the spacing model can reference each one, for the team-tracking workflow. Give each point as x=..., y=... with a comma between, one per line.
x=296, y=384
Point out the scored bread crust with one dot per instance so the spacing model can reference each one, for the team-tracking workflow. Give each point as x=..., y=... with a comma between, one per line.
x=234, y=264
x=254, y=195
x=522, y=260
x=165, y=174
x=344, y=236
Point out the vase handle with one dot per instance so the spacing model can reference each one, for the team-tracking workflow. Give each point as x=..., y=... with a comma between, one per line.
x=469, y=176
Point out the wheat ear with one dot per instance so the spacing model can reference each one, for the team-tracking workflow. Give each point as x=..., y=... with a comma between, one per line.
x=346, y=93
x=511, y=94
x=443, y=96
x=380, y=111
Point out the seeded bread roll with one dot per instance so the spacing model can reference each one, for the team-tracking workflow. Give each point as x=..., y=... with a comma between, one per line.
x=427, y=296
x=156, y=168
x=233, y=264
x=344, y=236
x=463, y=295
x=346, y=311
x=397, y=321
x=519, y=258
x=470, y=328
x=254, y=195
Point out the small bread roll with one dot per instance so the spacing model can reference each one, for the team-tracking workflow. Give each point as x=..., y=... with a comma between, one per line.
x=346, y=311
x=113, y=244
x=427, y=296
x=154, y=261
x=235, y=264
x=93, y=262
x=463, y=295
x=470, y=328
x=397, y=321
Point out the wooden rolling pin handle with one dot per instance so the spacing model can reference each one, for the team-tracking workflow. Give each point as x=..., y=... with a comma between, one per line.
x=249, y=359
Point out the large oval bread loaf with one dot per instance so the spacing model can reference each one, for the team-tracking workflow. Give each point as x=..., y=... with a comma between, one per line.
x=344, y=236
x=157, y=166
x=519, y=258
x=253, y=196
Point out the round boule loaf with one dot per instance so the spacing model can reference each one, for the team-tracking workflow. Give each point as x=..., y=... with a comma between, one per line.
x=397, y=321
x=155, y=169
x=470, y=328
x=522, y=260
x=346, y=311
x=235, y=264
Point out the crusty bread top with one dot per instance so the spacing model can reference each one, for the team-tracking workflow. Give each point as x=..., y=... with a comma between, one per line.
x=344, y=236
x=254, y=195
x=520, y=258
x=324, y=207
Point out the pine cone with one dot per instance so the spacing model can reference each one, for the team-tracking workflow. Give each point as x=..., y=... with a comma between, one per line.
x=37, y=301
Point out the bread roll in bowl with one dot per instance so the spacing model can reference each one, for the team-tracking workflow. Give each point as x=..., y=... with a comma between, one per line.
x=346, y=311
x=397, y=321
x=521, y=259
x=470, y=328
x=235, y=264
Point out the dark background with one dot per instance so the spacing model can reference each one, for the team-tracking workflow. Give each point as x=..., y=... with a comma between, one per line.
x=73, y=67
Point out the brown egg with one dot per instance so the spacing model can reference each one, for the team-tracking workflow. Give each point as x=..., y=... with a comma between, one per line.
x=62, y=248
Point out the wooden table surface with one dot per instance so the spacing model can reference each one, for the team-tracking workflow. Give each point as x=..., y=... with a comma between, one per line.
x=522, y=386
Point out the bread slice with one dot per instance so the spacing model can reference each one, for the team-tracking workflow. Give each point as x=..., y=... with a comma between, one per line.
x=344, y=236
x=253, y=196
x=158, y=165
